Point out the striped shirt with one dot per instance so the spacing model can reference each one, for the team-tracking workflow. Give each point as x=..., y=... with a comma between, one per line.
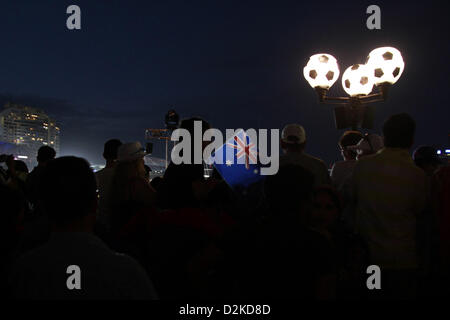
x=389, y=191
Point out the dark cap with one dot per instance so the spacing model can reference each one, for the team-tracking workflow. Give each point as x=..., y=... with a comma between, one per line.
x=350, y=138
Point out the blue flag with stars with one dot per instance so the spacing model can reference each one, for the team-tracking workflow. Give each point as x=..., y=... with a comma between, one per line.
x=239, y=165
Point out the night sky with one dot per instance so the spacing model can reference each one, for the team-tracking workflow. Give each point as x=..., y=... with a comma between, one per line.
x=235, y=64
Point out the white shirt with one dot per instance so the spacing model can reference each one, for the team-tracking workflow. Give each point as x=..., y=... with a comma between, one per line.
x=105, y=274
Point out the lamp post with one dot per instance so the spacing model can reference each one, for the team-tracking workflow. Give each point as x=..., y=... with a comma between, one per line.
x=382, y=69
x=172, y=121
x=159, y=134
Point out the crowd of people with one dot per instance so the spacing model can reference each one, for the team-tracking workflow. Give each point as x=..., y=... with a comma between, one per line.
x=303, y=233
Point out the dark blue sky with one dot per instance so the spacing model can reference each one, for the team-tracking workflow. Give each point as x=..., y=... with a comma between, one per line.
x=235, y=64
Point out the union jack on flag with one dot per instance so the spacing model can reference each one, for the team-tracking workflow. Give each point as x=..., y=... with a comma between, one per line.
x=240, y=165
x=244, y=149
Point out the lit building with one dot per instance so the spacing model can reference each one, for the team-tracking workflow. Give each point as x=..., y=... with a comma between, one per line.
x=28, y=128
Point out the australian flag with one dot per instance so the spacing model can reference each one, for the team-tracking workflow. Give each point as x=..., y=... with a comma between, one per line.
x=239, y=166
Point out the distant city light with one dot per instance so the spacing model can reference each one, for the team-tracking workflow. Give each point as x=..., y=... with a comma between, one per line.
x=439, y=152
x=29, y=128
x=447, y=150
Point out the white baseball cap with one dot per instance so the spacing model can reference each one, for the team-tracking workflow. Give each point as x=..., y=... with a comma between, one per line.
x=130, y=151
x=370, y=143
x=293, y=133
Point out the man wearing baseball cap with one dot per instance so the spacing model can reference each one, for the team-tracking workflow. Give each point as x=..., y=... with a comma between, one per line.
x=293, y=142
x=369, y=144
x=342, y=169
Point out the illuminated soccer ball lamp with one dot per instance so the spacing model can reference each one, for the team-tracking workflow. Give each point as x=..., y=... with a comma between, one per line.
x=383, y=67
x=358, y=80
x=386, y=64
x=321, y=71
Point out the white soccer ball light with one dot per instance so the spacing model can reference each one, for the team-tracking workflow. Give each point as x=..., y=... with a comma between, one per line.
x=321, y=71
x=386, y=65
x=357, y=80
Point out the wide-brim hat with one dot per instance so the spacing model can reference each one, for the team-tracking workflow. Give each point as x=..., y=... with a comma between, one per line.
x=130, y=151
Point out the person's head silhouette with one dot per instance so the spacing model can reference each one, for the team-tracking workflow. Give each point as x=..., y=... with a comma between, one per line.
x=69, y=193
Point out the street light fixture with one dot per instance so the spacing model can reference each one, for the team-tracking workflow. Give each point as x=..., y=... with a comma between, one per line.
x=172, y=121
x=321, y=71
x=383, y=67
x=387, y=65
x=357, y=80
